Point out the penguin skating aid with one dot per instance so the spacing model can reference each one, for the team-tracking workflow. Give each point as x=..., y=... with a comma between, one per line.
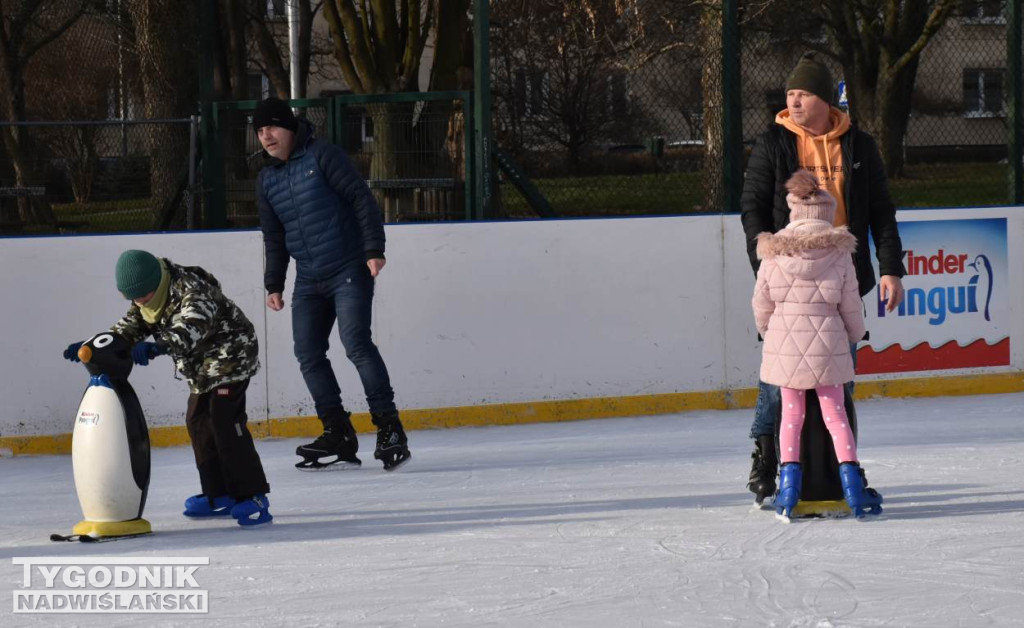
x=110, y=450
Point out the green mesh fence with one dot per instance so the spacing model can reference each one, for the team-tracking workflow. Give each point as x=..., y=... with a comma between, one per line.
x=610, y=118
x=97, y=177
x=410, y=148
x=608, y=108
x=954, y=150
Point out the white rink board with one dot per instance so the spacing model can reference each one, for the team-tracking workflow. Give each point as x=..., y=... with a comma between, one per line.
x=465, y=314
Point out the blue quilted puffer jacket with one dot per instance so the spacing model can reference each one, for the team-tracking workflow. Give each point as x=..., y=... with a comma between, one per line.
x=316, y=208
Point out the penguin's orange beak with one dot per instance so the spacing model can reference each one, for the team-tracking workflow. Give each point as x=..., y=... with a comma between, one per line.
x=85, y=354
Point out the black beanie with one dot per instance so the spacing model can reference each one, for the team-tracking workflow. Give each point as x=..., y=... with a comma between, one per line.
x=812, y=76
x=274, y=112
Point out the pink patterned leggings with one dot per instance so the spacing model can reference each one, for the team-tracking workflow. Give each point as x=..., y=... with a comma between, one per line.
x=833, y=411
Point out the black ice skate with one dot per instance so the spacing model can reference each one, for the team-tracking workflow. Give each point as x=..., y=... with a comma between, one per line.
x=764, y=469
x=334, y=449
x=392, y=445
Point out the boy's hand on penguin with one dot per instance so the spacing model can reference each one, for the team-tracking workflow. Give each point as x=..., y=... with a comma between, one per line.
x=143, y=352
x=71, y=353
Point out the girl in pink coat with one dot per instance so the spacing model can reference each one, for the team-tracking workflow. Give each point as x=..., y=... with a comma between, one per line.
x=808, y=310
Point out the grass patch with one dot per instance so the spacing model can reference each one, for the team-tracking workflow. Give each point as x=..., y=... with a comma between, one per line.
x=951, y=185
x=615, y=195
x=923, y=185
x=105, y=216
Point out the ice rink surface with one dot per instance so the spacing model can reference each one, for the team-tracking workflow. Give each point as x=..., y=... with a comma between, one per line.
x=618, y=522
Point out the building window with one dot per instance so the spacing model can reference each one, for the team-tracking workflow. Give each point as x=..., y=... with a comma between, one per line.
x=257, y=86
x=119, y=104
x=802, y=28
x=366, y=129
x=983, y=11
x=618, y=95
x=277, y=9
x=983, y=93
x=528, y=92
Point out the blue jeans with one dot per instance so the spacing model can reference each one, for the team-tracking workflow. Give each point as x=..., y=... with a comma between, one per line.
x=348, y=299
x=769, y=404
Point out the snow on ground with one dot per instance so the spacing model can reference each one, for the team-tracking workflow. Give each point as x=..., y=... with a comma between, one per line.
x=623, y=522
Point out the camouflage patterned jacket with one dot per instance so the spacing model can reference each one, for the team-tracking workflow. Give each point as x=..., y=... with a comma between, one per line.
x=210, y=339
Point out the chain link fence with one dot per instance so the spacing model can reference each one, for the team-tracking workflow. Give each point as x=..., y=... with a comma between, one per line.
x=609, y=109
x=232, y=184
x=410, y=148
x=601, y=123
x=83, y=148
x=954, y=151
x=614, y=120
x=413, y=150
x=104, y=176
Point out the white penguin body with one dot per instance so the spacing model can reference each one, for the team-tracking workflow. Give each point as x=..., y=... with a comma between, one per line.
x=101, y=457
x=110, y=444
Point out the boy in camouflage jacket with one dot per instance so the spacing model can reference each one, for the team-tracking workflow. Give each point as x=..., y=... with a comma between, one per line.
x=214, y=347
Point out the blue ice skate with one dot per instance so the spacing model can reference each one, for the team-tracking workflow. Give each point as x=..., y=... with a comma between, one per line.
x=791, y=478
x=861, y=500
x=199, y=506
x=253, y=511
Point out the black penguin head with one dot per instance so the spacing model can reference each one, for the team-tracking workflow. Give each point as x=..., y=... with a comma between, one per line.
x=107, y=354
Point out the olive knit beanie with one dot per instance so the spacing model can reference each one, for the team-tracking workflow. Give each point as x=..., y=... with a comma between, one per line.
x=811, y=76
x=137, y=274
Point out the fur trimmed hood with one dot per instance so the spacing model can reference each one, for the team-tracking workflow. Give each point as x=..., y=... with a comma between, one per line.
x=793, y=242
x=806, y=248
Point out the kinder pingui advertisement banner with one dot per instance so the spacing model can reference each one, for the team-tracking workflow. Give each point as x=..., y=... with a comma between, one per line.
x=955, y=313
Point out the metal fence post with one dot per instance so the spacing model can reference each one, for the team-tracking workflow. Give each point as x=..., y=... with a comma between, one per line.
x=732, y=111
x=214, y=208
x=190, y=203
x=469, y=159
x=1014, y=104
x=215, y=197
x=482, y=107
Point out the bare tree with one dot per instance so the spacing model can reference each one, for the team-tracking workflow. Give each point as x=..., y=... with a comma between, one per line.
x=269, y=39
x=75, y=148
x=878, y=43
x=556, y=67
x=378, y=45
x=713, y=179
x=166, y=45
x=28, y=26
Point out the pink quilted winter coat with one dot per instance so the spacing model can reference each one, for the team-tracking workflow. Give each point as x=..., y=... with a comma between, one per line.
x=806, y=305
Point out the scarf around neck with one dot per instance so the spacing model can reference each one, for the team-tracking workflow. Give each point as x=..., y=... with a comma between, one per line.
x=152, y=309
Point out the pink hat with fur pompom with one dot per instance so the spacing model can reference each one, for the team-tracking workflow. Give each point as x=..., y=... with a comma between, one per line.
x=806, y=199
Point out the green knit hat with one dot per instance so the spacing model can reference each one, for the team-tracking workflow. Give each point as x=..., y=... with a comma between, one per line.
x=137, y=273
x=812, y=76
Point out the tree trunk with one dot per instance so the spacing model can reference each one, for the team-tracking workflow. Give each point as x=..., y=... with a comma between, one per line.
x=884, y=112
x=17, y=142
x=385, y=166
x=165, y=42
x=79, y=148
x=31, y=210
x=713, y=174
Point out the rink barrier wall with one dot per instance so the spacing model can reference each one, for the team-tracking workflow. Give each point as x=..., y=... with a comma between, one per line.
x=550, y=411
x=490, y=323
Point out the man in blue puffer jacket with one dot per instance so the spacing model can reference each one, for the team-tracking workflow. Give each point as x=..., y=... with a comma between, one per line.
x=315, y=207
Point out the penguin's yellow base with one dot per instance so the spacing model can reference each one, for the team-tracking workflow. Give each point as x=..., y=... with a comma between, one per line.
x=822, y=508
x=112, y=528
